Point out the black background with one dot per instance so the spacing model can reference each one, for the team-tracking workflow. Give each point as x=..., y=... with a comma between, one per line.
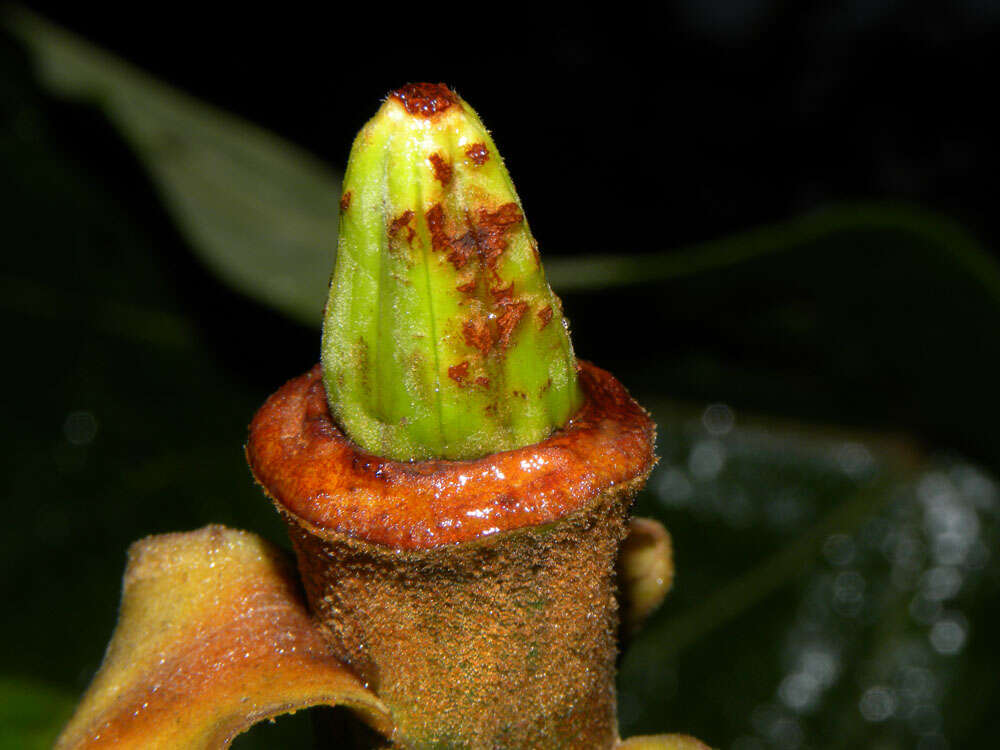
x=626, y=129
x=630, y=127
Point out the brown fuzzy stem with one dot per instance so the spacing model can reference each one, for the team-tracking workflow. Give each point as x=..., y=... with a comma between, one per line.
x=475, y=633
x=507, y=642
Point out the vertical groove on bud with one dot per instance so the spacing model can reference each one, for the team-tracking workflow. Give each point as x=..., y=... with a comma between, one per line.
x=441, y=338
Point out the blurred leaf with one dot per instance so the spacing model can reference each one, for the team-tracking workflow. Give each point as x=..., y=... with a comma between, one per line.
x=860, y=315
x=260, y=212
x=126, y=409
x=263, y=214
x=955, y=245
x=31, y=713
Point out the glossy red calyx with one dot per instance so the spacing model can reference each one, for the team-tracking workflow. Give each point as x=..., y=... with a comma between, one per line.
x=311, y=470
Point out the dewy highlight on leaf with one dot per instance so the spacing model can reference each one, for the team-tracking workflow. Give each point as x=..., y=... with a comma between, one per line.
x=441, y=337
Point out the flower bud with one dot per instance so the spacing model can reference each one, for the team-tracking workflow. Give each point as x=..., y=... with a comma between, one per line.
x=441, y=337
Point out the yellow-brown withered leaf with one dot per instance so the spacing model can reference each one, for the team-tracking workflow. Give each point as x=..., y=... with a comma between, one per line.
x=663, y=742
x=212, y=637
x=645, y=570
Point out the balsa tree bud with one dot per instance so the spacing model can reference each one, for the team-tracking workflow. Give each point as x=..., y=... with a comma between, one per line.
x=441, y=337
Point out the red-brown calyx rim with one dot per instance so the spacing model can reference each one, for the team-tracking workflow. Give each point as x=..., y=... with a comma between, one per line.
x=312, y=471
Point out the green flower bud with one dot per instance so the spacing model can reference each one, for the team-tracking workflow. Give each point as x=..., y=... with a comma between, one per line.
x=441, y=337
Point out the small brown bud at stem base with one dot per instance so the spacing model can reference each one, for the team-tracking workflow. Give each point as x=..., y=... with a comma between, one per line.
x=476, y=598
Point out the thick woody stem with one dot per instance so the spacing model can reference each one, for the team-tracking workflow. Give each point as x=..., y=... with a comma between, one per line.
x=476, y=598
x=509, y=642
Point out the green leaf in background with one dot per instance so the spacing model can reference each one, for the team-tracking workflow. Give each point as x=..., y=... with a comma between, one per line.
x=864, y=315
x=261, y=213
x=31, y=713
x=952, y=243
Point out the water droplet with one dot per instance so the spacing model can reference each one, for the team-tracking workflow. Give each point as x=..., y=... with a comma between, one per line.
x=787, y=733
x=821, y=663
x=673, y=487
x=941, y=583
x=950, y=548
x=799, y=691
x=948, y=634
x=848, y=593
x=854, y=459
x=935, y=488
x=838, y=549
x=707, y=459
x=975, y=486
x=718, y=419
x=80, y=427
x=877, y=703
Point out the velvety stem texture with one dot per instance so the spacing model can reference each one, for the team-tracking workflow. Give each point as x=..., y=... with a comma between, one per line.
x=441, y=337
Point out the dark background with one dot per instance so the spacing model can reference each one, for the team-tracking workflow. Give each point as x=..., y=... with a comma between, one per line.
x=677, y=121
x=626, y=129
x=641, y=128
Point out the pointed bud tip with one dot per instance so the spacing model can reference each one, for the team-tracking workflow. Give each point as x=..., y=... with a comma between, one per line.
x=425, y=99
